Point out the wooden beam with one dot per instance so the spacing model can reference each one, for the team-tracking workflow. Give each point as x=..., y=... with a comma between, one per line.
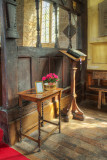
x=44, y=138
x=29, y=137
x=3, y=57
x=59, y=2
x=68, y=6
x=56, y=25
x=51, y=122
x=79, y=1
x=69, y=33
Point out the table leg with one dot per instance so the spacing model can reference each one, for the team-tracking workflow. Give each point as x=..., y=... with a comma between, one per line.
x=39, y=124
x=99, y=100
x=59, y=113
x=42, y=123
x=20, y=113
x=39, y=131
x=103, y=98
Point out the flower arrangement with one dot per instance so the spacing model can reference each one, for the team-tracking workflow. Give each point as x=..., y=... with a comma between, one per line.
x=50, y=78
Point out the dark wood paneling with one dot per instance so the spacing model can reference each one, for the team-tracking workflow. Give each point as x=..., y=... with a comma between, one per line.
x=56, y=66
x=40, y=67
x=24, y=73
x=84, y=46
x=66, y=72
x=0, y=81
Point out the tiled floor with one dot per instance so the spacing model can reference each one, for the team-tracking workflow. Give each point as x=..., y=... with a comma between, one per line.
x=79, y=140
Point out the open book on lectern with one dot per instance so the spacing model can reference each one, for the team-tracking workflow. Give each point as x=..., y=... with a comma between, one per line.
x=75, y=55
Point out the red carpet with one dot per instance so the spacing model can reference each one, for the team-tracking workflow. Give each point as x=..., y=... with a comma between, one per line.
x=1, y=135
x=8, y=153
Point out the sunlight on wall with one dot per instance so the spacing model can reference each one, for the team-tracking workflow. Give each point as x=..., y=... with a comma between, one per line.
x=97, y=46
x=29, y=27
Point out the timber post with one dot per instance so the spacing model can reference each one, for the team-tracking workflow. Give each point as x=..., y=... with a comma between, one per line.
x=56, y=25
x=38, y=44
x=69, y=31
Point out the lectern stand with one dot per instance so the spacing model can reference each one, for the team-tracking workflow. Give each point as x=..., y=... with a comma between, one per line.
x=73, y=107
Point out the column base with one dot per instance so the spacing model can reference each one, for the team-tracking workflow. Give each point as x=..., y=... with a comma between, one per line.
x=77, y=116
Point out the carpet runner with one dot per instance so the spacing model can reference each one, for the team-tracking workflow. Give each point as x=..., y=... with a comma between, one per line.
x=1, y=135
x=8, y=153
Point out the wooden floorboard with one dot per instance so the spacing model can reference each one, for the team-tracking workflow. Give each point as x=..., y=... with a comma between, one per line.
x=78, y=140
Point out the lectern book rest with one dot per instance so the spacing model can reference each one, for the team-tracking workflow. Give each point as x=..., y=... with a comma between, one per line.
x=75, y=56
x=75, y=53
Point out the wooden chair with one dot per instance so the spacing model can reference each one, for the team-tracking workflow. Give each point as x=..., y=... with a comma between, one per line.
x=100, y=88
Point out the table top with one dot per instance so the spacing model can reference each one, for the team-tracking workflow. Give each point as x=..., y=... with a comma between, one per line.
x=31, y=93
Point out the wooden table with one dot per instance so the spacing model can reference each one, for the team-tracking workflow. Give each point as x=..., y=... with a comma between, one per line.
x=30, y=95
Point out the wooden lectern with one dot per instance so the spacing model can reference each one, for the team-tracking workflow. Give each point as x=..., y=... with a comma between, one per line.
x=73, y=107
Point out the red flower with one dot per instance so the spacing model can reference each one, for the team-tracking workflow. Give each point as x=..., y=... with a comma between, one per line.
x=43, y=78
x=51, y=77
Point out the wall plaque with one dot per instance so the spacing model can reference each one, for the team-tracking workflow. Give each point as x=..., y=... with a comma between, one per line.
x=103, y=18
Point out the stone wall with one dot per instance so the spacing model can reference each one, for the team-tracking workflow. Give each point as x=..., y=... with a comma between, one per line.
x=29, y=27
x=63, y=23
x=26, y=23
x=63, y=29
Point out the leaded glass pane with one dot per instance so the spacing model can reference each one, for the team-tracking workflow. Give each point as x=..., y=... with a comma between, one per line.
x=53, y=24
x=45, y=22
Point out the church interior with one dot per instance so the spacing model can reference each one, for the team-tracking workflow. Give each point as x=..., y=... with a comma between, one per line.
x=53, y=79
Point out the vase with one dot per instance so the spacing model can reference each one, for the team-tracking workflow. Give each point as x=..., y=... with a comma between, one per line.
x=49, y=86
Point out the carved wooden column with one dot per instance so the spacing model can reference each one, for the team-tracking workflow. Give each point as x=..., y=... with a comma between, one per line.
x=3, y=109
x=38, y=44
x=73, y=107
x=69, y=31
x=56, y=25
x=77, y=113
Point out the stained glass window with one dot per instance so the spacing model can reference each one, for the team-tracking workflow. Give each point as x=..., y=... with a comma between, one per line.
x=48, y=23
